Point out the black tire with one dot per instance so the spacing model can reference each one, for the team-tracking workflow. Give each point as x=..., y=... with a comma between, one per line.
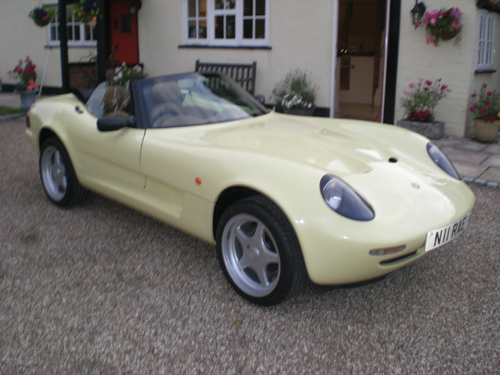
x=58, y=176
x=259, y=252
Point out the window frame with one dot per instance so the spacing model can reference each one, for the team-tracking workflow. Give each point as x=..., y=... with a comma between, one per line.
x=486, y=41
x=81, y=42
x=211, y=13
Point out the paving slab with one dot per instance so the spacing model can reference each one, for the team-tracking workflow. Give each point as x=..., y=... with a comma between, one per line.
x=471, y=146
x=492, y=161
x=470, y=170
x=466, y=156
x=494, y=149
x=492, y=174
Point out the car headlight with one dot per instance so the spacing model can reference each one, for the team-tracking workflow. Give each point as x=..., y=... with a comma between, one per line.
x=344, y=200
x=442, y=160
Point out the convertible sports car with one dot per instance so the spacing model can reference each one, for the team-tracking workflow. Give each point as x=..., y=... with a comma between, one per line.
x=287, y=200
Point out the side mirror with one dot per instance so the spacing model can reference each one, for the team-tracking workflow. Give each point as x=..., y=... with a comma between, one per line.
x=261, y=99
x=109, y=124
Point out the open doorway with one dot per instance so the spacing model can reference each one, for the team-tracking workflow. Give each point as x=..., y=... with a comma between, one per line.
x=360, y=59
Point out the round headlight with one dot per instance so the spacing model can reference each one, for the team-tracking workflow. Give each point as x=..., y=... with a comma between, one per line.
x=442, y=160
x=342, y=199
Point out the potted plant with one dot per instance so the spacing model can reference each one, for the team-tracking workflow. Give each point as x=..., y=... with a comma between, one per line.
x=442, y=25
x=25, y=75
x=85, y=10
x=485, y=108
x=295, y=94
x=42, y=15
x=124, y=74
x=419, y=102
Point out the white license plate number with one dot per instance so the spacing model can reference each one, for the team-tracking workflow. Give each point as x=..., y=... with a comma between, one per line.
x=445, y=234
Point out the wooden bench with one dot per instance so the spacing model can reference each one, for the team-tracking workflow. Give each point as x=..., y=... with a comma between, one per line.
x=244, y=74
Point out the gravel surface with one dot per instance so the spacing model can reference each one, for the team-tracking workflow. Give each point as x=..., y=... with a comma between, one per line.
x=102, y=289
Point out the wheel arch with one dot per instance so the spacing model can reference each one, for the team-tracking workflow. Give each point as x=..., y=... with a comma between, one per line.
x=45, y=134
x=227, y=198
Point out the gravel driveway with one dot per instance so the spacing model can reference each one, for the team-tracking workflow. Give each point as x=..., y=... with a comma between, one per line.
x=101, y=289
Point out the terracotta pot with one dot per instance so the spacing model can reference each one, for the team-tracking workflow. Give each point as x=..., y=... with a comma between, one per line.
x=485, y=131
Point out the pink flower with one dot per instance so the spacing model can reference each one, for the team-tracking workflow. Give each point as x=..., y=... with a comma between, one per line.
x=489, y=93
x=31, y=85
x=483, y=111
x=473, y=95
x=412, y=85
x=444, y=87
x=488, y=102
x=484, y=85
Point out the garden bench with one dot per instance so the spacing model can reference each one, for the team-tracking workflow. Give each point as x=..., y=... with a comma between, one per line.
x=244, y=74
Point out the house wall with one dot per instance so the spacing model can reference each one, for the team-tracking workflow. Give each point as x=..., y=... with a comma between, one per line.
x=454, y=63
x=161, y=28
x=20, y=37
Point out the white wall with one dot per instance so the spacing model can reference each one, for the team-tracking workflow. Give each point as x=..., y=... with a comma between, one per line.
x=294, y=43
x=453, y=62
x=20, y=37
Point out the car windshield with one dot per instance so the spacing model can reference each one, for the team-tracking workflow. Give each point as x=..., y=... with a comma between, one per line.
x=195, y=99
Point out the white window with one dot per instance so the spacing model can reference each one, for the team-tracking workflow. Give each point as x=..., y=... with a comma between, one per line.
x=226, y=22
x=486, y=41
x=80, y=34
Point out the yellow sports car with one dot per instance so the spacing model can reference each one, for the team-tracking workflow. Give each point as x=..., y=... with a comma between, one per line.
x=288, y=200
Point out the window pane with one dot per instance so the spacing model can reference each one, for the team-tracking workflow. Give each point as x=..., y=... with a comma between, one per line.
x=248, y=29
x=125, y=24
x=219, y=4
x=191, y=29
x=70, y=32
x=230, y=27
x=219, y=27
x=53, y=32
x=191, y=8
x=248, y=8
x=202, y=31
x=230, y=4
x=203, y=8
x=77, y=32
x=260, y=7
x=260, y=29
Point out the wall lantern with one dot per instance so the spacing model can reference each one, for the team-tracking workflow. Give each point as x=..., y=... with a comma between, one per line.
x=417, y=12
x=135, y=6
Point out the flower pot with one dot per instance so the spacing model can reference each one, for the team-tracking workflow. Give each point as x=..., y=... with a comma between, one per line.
x=431, y=130
x=28, y=98
x=485, y=131
x=299, y=111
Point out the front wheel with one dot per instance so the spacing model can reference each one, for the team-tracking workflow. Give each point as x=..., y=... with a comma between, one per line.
x=259, y=252
x=58, y=176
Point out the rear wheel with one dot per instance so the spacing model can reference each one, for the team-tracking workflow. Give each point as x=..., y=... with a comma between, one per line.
x=259, y=252
x=58, y=176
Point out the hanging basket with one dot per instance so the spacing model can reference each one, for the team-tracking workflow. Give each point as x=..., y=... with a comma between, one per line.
x=41, y=22
x=447, y=35
x=85, y=18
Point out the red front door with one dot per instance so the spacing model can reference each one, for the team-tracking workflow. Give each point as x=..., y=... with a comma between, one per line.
x=124, y=41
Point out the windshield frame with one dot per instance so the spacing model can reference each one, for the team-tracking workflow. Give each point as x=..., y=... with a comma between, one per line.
x=142, y=97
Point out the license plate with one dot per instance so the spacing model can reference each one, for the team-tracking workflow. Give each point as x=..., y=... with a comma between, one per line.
x=445, y=234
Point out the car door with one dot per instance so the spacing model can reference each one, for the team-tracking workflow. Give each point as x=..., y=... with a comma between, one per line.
x=108, y=162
